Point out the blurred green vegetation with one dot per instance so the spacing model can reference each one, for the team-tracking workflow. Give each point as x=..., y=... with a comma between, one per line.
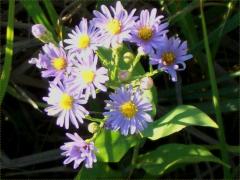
x=30, y=139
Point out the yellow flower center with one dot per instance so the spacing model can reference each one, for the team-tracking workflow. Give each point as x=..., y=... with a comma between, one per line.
x=59, y=63
x=145, y=33
x=66, y=101
x=114, y=26
x=83, y=41
x=128, y=109
x=168, y=58
x=87, y=76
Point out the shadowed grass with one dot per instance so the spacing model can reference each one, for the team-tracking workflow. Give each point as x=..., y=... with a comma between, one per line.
x=215, y=95
x=8, y=51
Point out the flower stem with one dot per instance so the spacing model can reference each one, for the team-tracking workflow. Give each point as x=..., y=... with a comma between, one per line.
x=116, y=53
x=134, y=158
x=135, y=61
x=215, y=96
x=88, y=117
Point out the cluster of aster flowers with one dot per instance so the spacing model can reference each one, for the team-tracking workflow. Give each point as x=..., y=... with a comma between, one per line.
x=75, y=74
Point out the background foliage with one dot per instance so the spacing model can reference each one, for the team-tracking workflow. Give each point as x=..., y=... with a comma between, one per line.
x=30, y=139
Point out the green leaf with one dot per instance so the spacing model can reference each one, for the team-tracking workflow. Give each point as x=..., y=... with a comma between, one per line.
x=51, y=11
x=35, y=11
x=152, y=96
x=177, y=119
x=105, y=56
x=167, y=157
x=8, y=51
x=99, y=170
x=112, y=146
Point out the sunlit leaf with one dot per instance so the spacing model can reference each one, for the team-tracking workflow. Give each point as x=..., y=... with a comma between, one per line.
x=168, y=156
x=112, y=146
x=177, y=119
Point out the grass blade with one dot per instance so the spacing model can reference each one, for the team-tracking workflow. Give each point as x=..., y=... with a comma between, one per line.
x=215, y=95
x=51, y=11
x=8, y=51
x=35, y=11
x=33, y=159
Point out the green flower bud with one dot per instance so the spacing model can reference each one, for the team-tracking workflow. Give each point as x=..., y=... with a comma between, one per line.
x=40, y=32
x=93, y=127
x=128, y=57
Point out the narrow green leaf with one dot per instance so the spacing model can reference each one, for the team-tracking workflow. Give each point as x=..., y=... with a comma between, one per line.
x=177, y=119
x=51, y=11
x=105, y=56
x=215, y=94
x=112, y=146
x=8, y=51
x=166, y=157
x=35, y=11
x=33, y=159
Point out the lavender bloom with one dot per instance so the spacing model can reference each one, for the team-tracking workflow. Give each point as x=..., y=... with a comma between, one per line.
x=84, y=39
x=54, y=61
x=78, y=151
x=148, y=31
x=172, y=54
x=127, y=111
x=64, y=104
x=85, y=77
x=116, y=26
x=39, y=30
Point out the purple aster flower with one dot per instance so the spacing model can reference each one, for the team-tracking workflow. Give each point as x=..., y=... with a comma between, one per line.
x=53, y=61
x=84, y=39
x=127, y=111
x=115, y=26
x=85, y=76
x=171, y=56
x=148, y=31
x=78, y=151
x=64, y=104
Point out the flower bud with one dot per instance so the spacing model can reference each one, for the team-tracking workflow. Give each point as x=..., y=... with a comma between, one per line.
x=128, y=57
x=124, y=75
x=146, y=83
x=93, y=127
x=40, y=32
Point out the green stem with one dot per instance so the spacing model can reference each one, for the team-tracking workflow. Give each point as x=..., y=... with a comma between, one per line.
x=134, y=158
x=215, y=96
x=150, y=68
x=8, y=51
x=88, y=117
x=116, y=53
x=135, y=61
